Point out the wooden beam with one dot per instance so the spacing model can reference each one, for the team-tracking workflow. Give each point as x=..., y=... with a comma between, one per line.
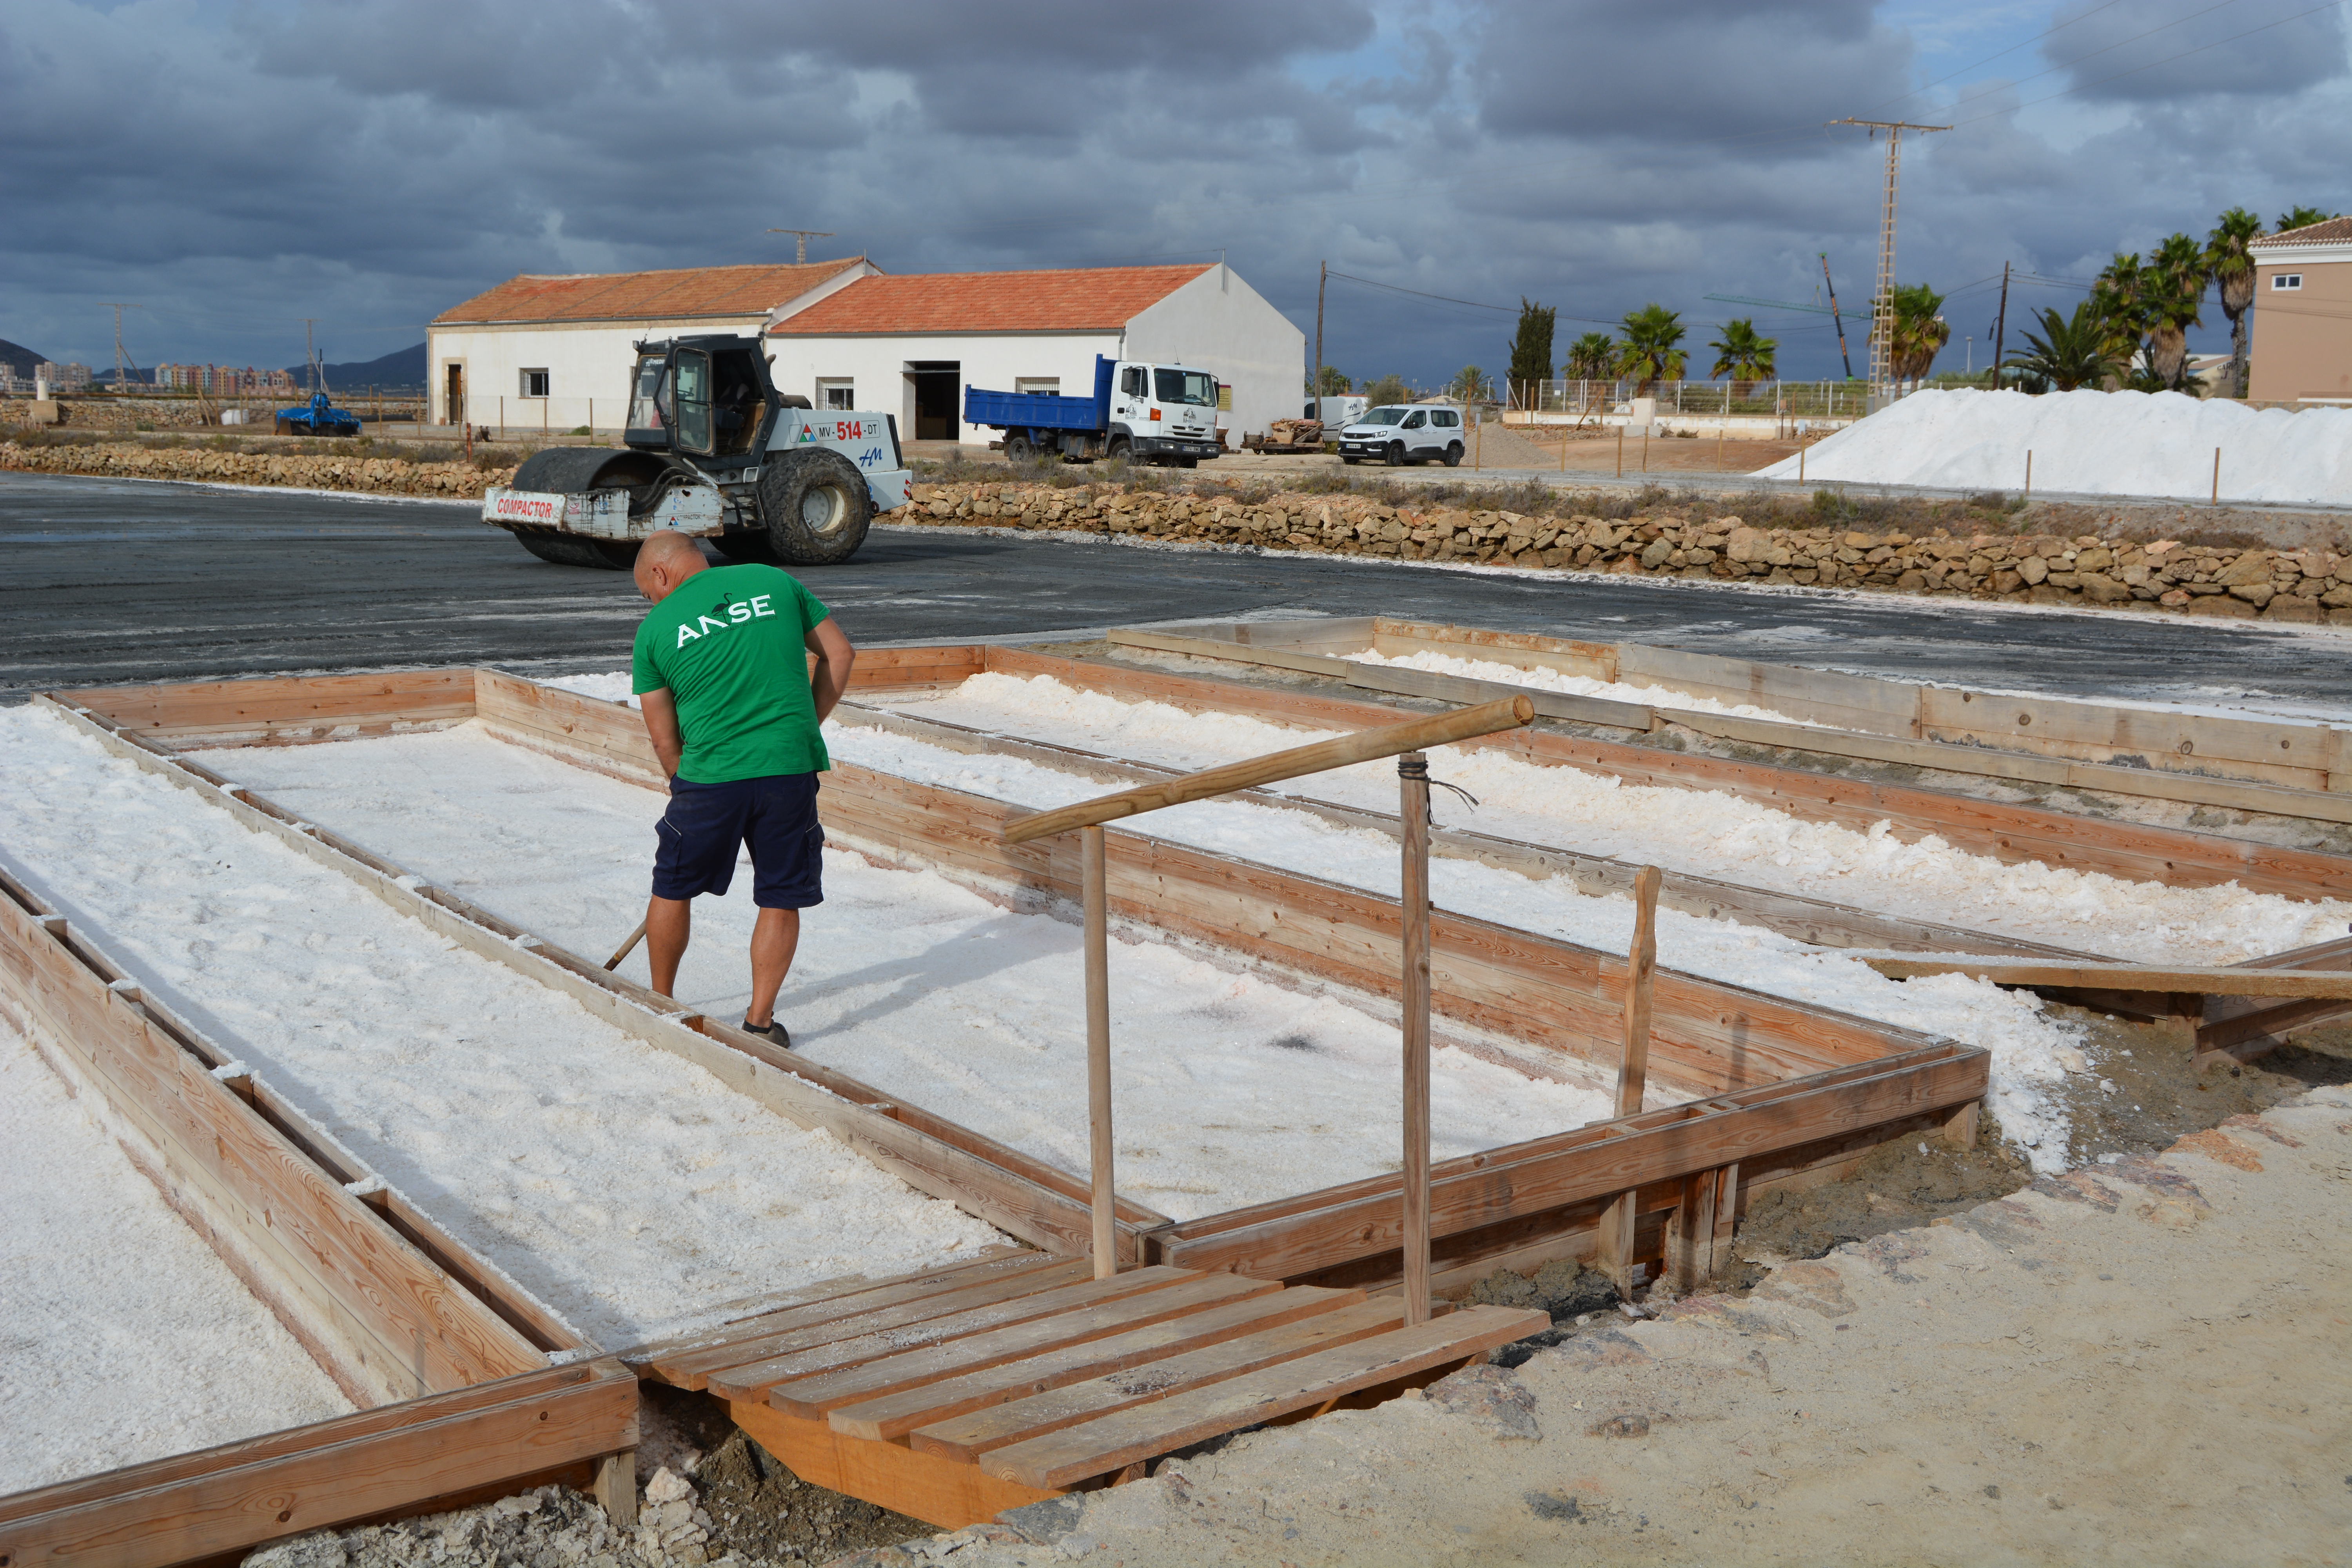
x=1346, y=751
x=943, y=1492
x=240, y=1496
x=1641, y=968
x=1591, y=1164
x=217, y=709
x=2206, y=980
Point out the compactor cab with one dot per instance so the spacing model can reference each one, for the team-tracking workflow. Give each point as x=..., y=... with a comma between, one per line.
x=713, y=449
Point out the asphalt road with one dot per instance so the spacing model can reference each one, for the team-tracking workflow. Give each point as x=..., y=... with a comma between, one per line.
x=108, y=581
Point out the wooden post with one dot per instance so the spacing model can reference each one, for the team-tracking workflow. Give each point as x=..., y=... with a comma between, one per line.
x=1641, y=969
x=1801, y=459
x=2029, y=473
x=1563, y=427
x=1097, y=945
x=1621, y=451
x=1413, y=776
x=1477, y=440
x=1646, y=448
x=616, y=1487
x=1618, y=1220
x=2216, y=476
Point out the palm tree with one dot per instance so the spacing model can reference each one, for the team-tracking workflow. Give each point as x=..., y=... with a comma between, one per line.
x=1742, y=355
x=2069, y=352
x=1469, y=385
x=2300, y=217
x=2231, y=267
x=2120, y=300
x=1918, y=332
x=2174, y=277
x=1650, y=354
x=1592, y=357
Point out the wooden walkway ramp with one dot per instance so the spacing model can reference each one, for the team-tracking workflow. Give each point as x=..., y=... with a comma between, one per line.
x=954, y=1394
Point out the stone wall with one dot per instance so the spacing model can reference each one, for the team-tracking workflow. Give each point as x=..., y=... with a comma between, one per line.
x=369, y=475
x=1686, y=541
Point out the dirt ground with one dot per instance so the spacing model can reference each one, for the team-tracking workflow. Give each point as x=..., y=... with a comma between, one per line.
x=2143, y=1362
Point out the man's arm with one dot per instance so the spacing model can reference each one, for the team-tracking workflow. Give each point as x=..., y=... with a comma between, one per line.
x=835, y=656
x=661, y=726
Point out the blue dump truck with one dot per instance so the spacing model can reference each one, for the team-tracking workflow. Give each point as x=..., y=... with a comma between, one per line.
x=1158, y=414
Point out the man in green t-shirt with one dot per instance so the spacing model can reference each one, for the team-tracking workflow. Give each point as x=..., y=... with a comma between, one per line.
x=733, y=711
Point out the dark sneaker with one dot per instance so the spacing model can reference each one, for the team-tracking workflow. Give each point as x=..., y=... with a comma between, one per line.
x=774, y=1029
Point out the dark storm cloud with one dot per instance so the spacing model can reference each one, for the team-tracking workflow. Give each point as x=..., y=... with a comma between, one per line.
x=372, y=162
x=2187, y=49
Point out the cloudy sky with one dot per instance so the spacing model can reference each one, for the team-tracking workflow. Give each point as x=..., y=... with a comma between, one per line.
x=233, y=167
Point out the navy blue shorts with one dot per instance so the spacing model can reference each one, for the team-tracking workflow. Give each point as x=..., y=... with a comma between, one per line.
x=775, y=815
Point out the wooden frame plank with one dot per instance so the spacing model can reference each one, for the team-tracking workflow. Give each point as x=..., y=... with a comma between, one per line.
x=242, y=1495
x=943, y=1492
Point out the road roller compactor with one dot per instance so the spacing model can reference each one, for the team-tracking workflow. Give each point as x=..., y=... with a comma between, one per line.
x=713, y=450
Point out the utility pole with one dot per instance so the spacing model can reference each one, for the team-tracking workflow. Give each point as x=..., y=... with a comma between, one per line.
x=1843, y=355
x=1322, y=280
x=1881, y=309
x=800, y=236
x=2000, y=326
x=121, y=386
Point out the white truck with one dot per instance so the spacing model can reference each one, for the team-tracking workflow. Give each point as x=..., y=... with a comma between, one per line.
x=713, y=450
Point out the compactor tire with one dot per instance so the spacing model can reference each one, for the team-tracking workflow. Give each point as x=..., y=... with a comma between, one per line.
x=817, y=507
x=570, y=550
x=568, y=470
x=746, y=547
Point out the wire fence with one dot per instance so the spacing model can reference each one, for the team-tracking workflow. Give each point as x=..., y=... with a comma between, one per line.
x=1787, y=400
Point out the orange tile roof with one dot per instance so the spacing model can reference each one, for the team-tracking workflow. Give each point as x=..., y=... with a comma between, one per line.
x=1100, y=298
x=686, y=291
x=2334, y=231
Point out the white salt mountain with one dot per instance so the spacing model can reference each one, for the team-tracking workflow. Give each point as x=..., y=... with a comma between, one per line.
x=2092, y=443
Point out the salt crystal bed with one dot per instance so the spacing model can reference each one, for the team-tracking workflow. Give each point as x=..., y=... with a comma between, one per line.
x=1698, y=831
x=625, y=1188
x=123, y=1337
x=1231, y=1087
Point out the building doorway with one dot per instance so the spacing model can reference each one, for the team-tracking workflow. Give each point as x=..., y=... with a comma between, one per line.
x=939, y=396
x=453, y=399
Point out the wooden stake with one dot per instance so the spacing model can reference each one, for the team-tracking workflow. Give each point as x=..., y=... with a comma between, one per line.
x=1646, y=448
x=1563, y=430
x=1641, y=970
x=1621, y=451
x=1478, y=441
x=2029, y=473
x=1097, y=944
x=1412, y=774
x=1801, y=459
x=2216, y=476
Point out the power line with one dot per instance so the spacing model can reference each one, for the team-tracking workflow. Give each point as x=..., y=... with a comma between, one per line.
x=1997, y=54
x=2095, y=54
x=2152, y=65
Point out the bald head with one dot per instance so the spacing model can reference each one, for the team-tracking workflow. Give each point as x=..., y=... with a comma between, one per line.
x=664, y=561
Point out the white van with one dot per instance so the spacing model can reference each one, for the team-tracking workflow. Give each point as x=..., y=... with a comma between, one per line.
x=1402, y=433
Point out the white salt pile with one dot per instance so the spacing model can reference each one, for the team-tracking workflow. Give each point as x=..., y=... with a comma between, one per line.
x=1543, y=680
x=2092, y=443
x=1231, y=1089
x=623, y=1186
x=126, y=1338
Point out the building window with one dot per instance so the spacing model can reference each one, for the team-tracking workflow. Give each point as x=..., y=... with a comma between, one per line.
x=836, y=393
x=2287, y=280
x=534, y=384
x=1050, y=386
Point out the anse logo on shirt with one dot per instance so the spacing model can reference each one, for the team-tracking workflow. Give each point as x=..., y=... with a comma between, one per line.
x=755, y=608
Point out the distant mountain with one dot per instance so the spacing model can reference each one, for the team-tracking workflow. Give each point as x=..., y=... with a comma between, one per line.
x=22, y=360
x=403, y=367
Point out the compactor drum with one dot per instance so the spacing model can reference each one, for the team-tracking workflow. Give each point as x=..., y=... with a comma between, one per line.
x=713, y=450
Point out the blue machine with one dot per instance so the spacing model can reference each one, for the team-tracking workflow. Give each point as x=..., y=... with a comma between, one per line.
x=1179, y=428
x=317, y=418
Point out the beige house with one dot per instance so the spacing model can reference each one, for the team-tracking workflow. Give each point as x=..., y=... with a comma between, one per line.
x=2302, y=343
